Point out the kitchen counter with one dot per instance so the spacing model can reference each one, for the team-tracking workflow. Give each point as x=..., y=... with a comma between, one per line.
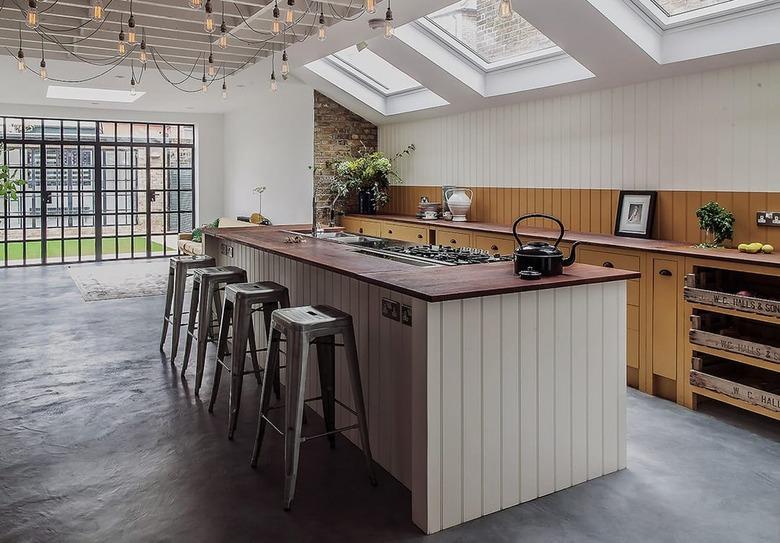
x=619, y=242
x=434, y=284
x=482, y=390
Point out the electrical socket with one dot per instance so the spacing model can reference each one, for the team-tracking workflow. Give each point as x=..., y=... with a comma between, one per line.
x=768, y=218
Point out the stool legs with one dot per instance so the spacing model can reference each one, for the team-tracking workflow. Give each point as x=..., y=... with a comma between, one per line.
x=271, y=376
x=326, y=358
x=297, y=364
x=167, y=311
x=222, y=342
x=196, y=299
x=357, y=394
x=238, y=359
x=180, y=283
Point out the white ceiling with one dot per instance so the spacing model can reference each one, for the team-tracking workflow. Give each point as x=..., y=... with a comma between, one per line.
x=613, y=41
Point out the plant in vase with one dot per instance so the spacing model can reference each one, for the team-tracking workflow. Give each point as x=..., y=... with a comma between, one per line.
x=369, y=175
x=9, y=185
x=717, y=223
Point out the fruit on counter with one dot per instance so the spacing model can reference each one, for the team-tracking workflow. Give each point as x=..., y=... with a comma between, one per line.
x=753, y=248
x=768, y=249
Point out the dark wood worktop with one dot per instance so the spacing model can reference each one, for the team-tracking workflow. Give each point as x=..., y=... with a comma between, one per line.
x=433, y=284
x=606, y=241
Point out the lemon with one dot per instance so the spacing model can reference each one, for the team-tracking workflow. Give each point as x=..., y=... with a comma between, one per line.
x=753, y=248
x=743, y=247
x=768, y=249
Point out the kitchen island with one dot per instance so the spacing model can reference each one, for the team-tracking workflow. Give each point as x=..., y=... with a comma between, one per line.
x=483, y=390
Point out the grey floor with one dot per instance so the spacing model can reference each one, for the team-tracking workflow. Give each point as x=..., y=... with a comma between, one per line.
x=100, y=440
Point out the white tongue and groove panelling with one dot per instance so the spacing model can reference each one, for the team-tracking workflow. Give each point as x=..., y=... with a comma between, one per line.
x=483, y=403
x=526, y=396
x=711, y=131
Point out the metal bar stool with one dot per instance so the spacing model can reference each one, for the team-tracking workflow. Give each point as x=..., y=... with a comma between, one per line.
x=301, y=327
x=178, y=270
x=207, y=284
x=242, y=300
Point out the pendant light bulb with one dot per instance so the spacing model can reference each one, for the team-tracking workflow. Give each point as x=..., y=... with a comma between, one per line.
x=222, y=43
x=97, y=11
x=32, y=17
x=389, y=29
x=322, y=30
x=208, y=24
x=132, y=36
x=142, y=55
x=43, y=74
x=277, y=27
x=371, y=6
x=505, y=9
x=224, y=91
x=204, y=85
x=274, y=84
x=290, y=17
x=20, y=64
x=196, y=4
x=285, y=65
x=132, y=86
x=212, y=67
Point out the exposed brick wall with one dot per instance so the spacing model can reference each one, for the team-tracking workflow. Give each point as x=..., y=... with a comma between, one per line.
x=338, y=133
x=501, y=38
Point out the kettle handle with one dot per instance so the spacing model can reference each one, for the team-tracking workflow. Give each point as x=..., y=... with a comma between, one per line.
x=537, y=216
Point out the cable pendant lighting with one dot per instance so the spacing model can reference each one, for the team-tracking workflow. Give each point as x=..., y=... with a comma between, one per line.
x=132, y=79
x=322, y=29
x=196, y=4
x=389, y=29
x=97, y=11
x=370, y=6
x=224, y=84
x=132, y=38
x=142, y=55
x=212, y=66
x=505, y=9
x=277, y=27
x=222, y=43
x=204, y=87
x=290, y=17
x=20, y=64
x=32, y=17
x=274, y=84
x=208, y=23
x=43, y=74
x=285, y=65
x=121, y=47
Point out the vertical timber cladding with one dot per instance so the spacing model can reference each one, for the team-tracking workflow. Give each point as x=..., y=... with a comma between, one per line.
x=338, y=134
x=96, y=190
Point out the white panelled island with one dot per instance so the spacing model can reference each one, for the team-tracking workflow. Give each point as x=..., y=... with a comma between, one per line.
x=483, y=390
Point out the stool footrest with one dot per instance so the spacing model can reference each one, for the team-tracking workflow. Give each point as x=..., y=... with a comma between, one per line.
x=332, y=432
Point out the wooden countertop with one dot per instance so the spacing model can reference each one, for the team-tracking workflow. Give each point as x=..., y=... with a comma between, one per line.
x=433, y=284
x=606, y=241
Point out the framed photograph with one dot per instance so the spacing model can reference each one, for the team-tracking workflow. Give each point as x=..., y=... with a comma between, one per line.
x=635, y=214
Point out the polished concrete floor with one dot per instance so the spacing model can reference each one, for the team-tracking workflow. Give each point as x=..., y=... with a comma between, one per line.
x=100, y=440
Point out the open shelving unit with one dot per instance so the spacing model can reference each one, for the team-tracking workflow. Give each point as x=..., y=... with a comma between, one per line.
x=734, y=336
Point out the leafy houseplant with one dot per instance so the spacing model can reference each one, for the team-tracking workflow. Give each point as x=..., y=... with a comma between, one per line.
x=717, y=223
x=9, y=186
x=369, y=175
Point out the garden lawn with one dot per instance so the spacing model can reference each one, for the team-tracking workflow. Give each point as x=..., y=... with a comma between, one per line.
x=54, y=248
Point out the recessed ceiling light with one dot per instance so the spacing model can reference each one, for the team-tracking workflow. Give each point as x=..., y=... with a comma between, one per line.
x=92, y=95
x=119, y=76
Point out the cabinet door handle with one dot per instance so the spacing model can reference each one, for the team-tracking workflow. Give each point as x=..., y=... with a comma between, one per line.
x=419, y=236
x=453, y=241
x=389, y=231
x=665, y=273
x=494, y=248
x=360, y=230
x=608, y=264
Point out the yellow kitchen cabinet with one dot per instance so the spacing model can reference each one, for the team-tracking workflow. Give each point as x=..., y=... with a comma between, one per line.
x=454, y=238
x=405, y=232
x=503, y=245
x=365, y=227
x=665, y=284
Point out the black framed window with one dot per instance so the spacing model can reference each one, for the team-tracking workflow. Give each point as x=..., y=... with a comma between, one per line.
x=96, y=190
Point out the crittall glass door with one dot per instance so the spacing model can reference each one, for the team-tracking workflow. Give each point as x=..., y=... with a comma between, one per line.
x=95, y=190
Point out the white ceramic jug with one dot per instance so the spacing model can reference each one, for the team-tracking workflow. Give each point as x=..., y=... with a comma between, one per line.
x=459, y=202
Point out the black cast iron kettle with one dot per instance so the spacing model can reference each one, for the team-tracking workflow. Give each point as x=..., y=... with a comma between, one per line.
x=538, y=258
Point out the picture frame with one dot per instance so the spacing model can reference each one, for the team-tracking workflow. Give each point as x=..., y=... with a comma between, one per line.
x=635, y=213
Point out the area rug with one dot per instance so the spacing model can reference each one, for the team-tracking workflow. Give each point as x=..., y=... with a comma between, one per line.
x=115, y=280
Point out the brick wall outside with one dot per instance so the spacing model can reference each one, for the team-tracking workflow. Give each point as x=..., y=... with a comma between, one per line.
x=498, y=38
x=338, y=133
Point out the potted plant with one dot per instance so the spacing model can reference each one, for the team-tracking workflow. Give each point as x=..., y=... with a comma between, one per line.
x=369, y=175
x=9, y=185
x=717, y=223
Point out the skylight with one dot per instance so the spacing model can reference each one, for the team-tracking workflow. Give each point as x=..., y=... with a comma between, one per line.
x=475, y=25
x=676, y=7
x=92, y=95
x=373, y=70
